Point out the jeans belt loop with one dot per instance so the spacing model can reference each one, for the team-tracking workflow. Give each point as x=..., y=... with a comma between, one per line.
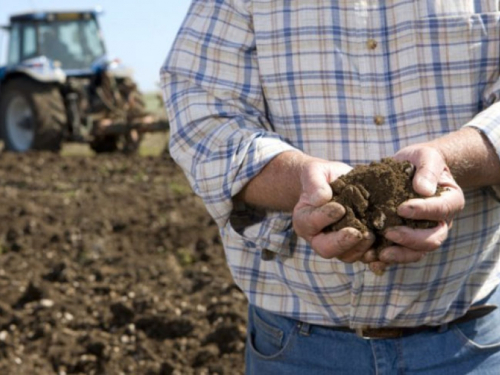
x=359, y=333
x=305, y=329
x=443, y=328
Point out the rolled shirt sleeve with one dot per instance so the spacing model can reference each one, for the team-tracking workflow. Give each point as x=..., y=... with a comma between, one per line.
x=488, y=122
x=220, y=133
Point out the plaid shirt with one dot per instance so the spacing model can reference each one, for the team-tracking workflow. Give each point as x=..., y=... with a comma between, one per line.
x=344, y=80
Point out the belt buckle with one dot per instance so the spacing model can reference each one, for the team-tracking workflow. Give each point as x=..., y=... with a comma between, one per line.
x=378, y=333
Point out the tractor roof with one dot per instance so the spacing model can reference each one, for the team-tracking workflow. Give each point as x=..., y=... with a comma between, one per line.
x=54, y=15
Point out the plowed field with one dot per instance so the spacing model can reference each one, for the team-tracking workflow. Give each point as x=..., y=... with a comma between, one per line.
x=110, y=265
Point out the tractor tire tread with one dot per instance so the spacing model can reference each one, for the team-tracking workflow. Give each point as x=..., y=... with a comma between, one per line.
x=48, y=109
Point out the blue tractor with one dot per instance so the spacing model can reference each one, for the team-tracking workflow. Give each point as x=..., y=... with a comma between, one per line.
x=58, y=85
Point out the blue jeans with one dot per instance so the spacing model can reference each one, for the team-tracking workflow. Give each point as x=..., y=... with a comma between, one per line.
x=278, y=345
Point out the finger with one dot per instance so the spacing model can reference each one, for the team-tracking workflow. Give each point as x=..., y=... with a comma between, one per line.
x=334, y=244
x=419, y=239
x=357, y=252
x=443, y=207
x=378, y=268
x=309, y=221
x=369, y=256
x=401, y=255
x=450, y=224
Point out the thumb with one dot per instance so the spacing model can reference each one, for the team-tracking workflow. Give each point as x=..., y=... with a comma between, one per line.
x=425, y=183
x=316, y=189
x=427, y=175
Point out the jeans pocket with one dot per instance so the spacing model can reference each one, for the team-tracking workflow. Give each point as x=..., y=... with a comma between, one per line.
x=269, y=335
x=481, y=334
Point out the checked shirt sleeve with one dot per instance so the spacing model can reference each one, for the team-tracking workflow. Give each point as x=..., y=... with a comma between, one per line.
x=488, y=122
x=220, y=134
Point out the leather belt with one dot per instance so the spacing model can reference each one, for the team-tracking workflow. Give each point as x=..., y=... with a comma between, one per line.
x=475, y=312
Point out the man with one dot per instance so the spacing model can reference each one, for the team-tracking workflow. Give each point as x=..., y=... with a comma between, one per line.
x=270, y=101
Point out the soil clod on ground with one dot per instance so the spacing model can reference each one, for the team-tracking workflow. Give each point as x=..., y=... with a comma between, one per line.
x=371, y=195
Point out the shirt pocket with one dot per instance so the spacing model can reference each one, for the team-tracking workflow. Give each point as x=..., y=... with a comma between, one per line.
x=428, y=8
x=309, y=75
x=458, y=59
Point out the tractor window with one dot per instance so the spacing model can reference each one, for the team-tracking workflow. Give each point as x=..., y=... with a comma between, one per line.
x=14, y=45
x=92, y=36
x=29, y=41
x=68, y=32
x=75, y=44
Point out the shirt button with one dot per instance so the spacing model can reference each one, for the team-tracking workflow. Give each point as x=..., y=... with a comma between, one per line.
x=371, y=44
x=379, y=120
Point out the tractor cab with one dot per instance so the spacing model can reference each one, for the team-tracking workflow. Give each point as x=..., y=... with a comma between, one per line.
x=70, y=40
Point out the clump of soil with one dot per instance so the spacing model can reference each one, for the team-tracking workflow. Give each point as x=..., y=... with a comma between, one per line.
x=371, y=195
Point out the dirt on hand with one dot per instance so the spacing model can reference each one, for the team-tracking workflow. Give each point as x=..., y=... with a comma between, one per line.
x=110, y=265
x=371, y=195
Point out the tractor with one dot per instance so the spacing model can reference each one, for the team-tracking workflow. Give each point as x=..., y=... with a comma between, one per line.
x=58, y=85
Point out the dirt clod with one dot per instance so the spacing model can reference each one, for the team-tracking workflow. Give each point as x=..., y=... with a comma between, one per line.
x=371, y=195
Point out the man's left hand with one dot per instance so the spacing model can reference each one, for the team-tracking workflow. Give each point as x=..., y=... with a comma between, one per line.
x=411, y=245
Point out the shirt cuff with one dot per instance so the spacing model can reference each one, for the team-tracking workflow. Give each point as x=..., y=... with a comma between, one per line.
x=488, y=122
x=269, y=232
x=252, y=227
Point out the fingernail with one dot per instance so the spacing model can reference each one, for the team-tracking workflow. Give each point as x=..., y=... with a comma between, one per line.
x=428, y=188
x=319, y=198
x=406, y=211
x=350, y=237
x=313, y=199
x=394, y=236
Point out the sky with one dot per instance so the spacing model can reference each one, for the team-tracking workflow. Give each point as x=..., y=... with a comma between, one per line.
x=139, y=33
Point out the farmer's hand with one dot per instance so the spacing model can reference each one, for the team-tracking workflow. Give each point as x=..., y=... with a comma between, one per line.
x=431, y=171
x=315, y=211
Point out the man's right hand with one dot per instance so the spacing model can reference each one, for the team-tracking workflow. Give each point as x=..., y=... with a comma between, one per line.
x=315, y=211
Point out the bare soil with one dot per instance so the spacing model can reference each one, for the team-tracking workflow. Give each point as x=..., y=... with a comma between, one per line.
x=110, y=265
x=371, y=195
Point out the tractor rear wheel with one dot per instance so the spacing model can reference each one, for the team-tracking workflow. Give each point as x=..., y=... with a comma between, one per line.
x=32, y=116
